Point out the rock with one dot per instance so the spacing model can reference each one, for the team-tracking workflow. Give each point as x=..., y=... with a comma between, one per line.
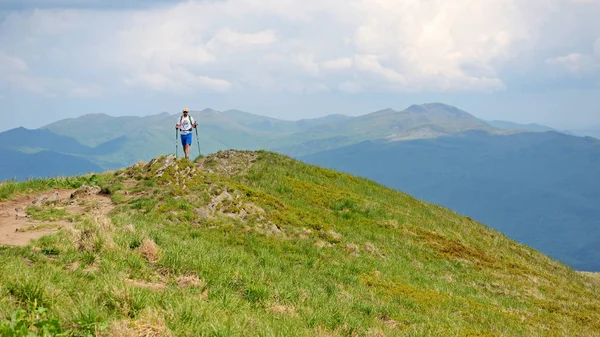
x=224, y=196
x=22, y=216
x=219, y=199
x=168, y=162
x=273, y=228
x=333, y=236
x=243, y=214
x=39, y=201
x=322, y=244
x=85, y=191
x=54, y=197
x=201, y=213
x=352, y=247
x=370, y=248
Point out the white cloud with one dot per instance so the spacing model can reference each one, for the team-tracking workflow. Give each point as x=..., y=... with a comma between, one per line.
x=299, y=46
x=306, y=62
x=11, y=64
x=574, y=62
x=351, y=87
x=16, y=73
x=340, y=63
x=48, y=23
x=90, y=91
x=215, y=84
x=230, y=37
x=577, y=63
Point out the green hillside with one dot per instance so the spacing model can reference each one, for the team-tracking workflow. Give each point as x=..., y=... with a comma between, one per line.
x=539, y=188
x=516, y=126
x=258, y=244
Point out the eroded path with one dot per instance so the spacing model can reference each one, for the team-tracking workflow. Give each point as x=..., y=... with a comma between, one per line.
x=29, y=217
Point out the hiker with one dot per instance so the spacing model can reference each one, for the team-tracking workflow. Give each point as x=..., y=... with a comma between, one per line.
x=185, y=125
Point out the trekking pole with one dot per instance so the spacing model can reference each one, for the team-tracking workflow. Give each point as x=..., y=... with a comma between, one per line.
x=176, y=144
x=198, y=140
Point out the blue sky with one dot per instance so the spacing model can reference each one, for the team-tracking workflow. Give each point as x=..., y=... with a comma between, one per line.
x=518, y=60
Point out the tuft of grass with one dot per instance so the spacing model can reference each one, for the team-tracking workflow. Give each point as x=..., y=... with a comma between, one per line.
x=38, y=227
x=28, y=291
x=149, y=250
x=48, y=213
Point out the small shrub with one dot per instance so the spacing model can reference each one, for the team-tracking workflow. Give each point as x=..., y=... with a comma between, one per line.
x=32, y=322
x=51, y=251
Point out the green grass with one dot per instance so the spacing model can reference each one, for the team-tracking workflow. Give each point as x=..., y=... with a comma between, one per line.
x=314, y=252
x=9, y=189
x=49, y=213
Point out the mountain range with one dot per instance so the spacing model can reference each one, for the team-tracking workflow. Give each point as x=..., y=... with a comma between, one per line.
x=534, y=184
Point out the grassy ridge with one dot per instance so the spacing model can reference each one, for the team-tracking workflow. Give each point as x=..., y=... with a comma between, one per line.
x=245, y=243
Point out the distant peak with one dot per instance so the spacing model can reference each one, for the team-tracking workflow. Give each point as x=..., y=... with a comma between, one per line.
x=439, y=105
x=437, y=108
x=98, y=114
x=434, y=105
x=385, y=111
x=416, y=108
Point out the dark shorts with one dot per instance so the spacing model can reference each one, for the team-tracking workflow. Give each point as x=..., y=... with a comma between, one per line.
x=186, y=139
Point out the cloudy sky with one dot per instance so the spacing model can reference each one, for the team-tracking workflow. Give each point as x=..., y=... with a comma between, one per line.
x=519, y=60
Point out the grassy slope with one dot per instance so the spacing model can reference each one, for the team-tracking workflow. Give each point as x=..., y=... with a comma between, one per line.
x=540, y=189
x=319, y=253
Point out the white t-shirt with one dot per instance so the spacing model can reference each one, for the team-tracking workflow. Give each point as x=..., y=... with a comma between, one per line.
x=186, y=124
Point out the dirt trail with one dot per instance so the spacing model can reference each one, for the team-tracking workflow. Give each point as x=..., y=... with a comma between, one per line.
x=17, y=228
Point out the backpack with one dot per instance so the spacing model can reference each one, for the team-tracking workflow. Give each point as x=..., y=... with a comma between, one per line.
x=190, y=119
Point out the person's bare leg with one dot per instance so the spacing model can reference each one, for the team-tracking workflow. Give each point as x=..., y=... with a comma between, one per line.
x=187, y=151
